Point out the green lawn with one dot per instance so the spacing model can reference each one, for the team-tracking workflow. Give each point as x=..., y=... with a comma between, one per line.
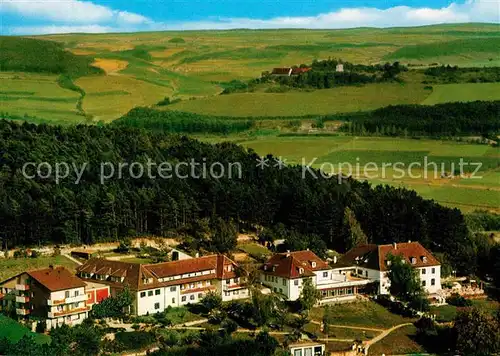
x=14, y=331
x=446, y=313
x=365, y=314
x=10, y=267
x=465, y=193
x=254, y=249
x=463, y=92
x=399, y=342
x=296, y=103
x=177, y=316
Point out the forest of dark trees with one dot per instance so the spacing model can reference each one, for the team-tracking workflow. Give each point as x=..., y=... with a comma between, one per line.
x=38, y=211
x=448, y=119
x=177, y=122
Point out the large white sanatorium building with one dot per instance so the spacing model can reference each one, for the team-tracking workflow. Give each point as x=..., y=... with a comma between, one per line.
x=157, y=286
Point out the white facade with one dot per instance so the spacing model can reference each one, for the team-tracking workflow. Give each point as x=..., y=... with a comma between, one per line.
x=158, y=299
x=290, y=288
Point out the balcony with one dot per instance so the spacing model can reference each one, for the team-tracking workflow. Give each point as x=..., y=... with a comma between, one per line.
x=22, y=287
x=22, y=299
x=52, y=315
x=75, y=299
x=22, y=311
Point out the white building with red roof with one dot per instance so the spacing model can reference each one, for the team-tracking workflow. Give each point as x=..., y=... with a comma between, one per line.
x=285, y=274
x=157, y=286
x=372, y=261
x=53, y=294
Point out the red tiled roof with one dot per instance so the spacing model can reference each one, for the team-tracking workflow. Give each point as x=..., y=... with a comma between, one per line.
x=55, y=279
x=281, y=70
x=375, y=257
x=134, y=273
x=288, y=265
x=300, y=70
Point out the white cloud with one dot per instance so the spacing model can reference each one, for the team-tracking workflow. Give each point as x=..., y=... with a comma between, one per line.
x=82, y=16
x=470, y=11
x=69, y=12
x=56, y=29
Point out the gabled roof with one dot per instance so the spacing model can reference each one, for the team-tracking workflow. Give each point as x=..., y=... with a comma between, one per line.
x=299, y=70
x=289, y=265
x=285, y=70
x=56, y=278
x=375, y=256
x=135, y=274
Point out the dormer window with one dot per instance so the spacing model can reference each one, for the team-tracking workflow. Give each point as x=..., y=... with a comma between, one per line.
x=313, y=264
x=413, y=260
x=388, y=262
x=265, y=267
x=301, y=270
x=229, y=268
x=424, y=259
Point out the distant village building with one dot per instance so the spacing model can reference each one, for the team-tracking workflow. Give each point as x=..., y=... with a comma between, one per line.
x=156, y=287
x=84, y=254
x=281, y=72
x=372, y=262
x=300, y=70
x=287, y=72
x=339, y=68
x=52, y=294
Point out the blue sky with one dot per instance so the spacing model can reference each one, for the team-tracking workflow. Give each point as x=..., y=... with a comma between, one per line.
x=61, y=16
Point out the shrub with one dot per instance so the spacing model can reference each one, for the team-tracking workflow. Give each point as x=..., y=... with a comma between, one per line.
x=458, y=301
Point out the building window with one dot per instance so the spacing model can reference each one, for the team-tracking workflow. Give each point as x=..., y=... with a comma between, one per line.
x=191, y=297
x=200, y=295
x=183, y=299
x=366, y=274
x=173, y=300
x=157, y=292
x=76, y=293
x=173, y=289
x=423, y=271
x=157, y=305
x=284, y=281
x=297, y=352
x=150, y=293
x=296, y=282
x=228, y=281
x=433, y=270
x=433, y=282
x=143, y=294
x=281, y=290
x=423, y=283
x=325, y=274
x=66, y=294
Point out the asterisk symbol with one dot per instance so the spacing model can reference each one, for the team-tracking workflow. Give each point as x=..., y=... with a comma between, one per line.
x=262, y=162
x=280, y=162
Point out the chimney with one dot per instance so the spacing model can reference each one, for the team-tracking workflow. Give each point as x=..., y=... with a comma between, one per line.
x=308, y=249
x=409, y=241
x=287, y=253
x=334, y=259
x=394, y=245
x=197, y=255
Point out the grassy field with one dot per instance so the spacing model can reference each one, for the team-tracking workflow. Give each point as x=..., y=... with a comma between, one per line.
x=14, y=331
x=463, y=92
x=466, y=193
x=399, y=342
x=38, y=95
x=447, y=313
x=296, y=103
x=10, y=267
x=363, y=314
x=142, y=68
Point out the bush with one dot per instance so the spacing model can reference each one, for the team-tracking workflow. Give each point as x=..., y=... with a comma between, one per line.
x=458, y=301
x=134, y=340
